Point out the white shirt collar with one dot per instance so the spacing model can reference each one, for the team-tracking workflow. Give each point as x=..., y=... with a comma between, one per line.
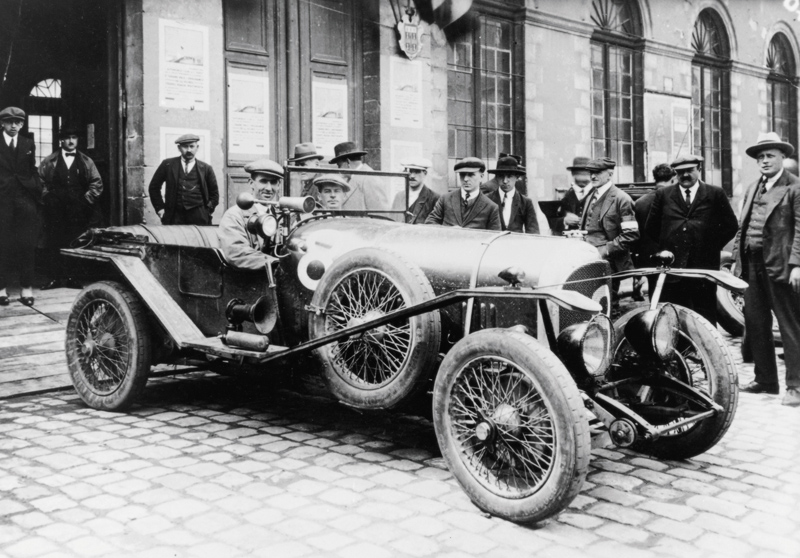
x=187, y=166
x=68, y=160
x=581, y=192
x=472, y=195
x=9, y=138
x=413, y=195
x=603, y=189
x=771, y=181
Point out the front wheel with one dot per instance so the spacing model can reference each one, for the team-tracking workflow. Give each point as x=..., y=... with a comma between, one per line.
x=511, y=425
x=108, y=346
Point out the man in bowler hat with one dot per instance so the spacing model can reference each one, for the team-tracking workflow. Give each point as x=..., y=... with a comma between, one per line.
x=191, y=193
x=516, y=210
x=20, y=196
x=366, y=192
x=466, y=207
x=694, y=221
x=767, y=250
x=571, y=206
x=421, y=199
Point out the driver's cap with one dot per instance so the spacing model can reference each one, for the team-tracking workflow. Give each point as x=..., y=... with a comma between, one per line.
x=331, y=180
x=417, y=163
x=264, y=166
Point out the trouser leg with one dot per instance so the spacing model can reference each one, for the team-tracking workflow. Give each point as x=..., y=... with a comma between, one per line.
x=787, y=310
x=6, y=241
x=26, y=224
x=758, y=322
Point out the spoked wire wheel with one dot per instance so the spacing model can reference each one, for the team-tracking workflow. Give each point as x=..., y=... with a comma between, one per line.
x=108, y=346
x=511, y=425
x=382, y=367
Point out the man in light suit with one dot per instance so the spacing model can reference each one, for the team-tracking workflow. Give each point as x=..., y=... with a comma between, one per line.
x=191, y=193
x=694, y=221
x=367, y=193
x=466, y=207
x=421, y=199
x=767, y=250
x=516, y=211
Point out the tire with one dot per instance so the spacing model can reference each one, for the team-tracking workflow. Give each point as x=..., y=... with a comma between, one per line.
x=730, y=308
x=108, y=346
x=705, y=362
x=384, y=367
x=508, y=466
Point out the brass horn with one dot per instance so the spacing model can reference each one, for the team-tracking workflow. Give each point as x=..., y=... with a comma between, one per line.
x=262, y=313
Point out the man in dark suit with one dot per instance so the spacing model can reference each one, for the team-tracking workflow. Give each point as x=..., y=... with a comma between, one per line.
x=664, y=176
x=191, y=193
x=694, y=221
x=767, y=250
x=492, y=185
x=516, y=211
x=20, y=196
x=421, y=199
x=571, y=207
x=466, y=207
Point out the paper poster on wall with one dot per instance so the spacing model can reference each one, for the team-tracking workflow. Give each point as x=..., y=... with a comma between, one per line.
x=667, y=128
x=183, y=65
x=248, y=116
x=402, y=152
x=170, y=149
x=329, y=106
x=406, y=93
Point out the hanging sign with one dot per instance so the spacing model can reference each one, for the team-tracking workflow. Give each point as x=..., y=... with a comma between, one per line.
x=410, y=34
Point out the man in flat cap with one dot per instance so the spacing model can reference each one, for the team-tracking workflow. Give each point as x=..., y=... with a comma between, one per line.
x=694, y=221
x=305, y=155
x=191, y=194
x=72, y=188
x=570, y=208
x=332, y=191
x=516, y=210
x=767, y=250
x=609, y=220
x=366, y=192
x=20, y=196
x=421, y=199
x=241, y=248
x=466, y=207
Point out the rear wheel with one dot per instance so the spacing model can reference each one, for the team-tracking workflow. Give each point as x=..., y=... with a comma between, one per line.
x=730, y=308
x=108, y=346
x=511, y=425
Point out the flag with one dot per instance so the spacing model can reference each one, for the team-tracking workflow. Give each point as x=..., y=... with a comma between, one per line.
x=444, y=12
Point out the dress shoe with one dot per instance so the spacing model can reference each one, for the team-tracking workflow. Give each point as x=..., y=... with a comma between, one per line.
x=792, y=397
x=3, y=301
x=26, y=300
x=54, y=284
x=755, y=387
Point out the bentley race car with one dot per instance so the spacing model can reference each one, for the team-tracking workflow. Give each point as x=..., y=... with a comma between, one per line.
x=512, y=331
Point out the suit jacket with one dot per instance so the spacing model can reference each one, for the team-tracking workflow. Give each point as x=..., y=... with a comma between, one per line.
x=420, y=209
x=696, y=234
x=781, y=234
x=569, y=204
x=94, y=183
x=646, y=246
x=169, y=171
x=18, y=169
x=618, y=230
x=366, y=192
x=449, y=211
x=523, y=216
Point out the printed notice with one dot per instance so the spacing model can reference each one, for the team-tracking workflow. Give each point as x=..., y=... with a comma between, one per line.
x=406, y=93
x=329, y=105
x=183, y=65
x=248, y=115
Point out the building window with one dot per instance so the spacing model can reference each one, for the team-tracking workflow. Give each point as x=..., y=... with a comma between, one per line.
x=617, y=87
x=711, y=99
x=484, y=91
x=44, y=120
x=782, y=89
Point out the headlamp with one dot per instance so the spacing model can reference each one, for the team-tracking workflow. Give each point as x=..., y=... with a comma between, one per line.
x=654, y=333
x=263, y=225
x=585, y=348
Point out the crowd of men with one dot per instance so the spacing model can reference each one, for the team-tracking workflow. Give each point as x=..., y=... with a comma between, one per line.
x=690, y=218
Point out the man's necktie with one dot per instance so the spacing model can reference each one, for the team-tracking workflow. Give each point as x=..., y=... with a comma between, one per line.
x=688, y=193
x=589, y=202
x=186, y=168
x=66, y=154
x=13, y=145
x=762, y=186
x=505, y=198
x=466, y=200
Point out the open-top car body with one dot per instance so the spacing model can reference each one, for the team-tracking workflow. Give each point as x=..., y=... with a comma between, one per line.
x=511, y=331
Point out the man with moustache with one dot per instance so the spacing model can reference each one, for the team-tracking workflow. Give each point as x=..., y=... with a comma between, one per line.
x=191, y=194
x=767, y=250
x=72, y=188
x=516, y=211
x=20, y=196
x=421, y=199
x=466, y=207
x=570, y=208
x=694, y=221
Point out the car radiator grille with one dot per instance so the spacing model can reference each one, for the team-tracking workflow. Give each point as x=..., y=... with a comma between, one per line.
x=590, y=280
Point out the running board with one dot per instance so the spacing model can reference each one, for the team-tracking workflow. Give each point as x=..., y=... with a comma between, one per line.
x=215, y=346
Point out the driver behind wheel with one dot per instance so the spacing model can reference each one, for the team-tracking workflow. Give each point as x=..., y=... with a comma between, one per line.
x=241, y=248
x=332, y=190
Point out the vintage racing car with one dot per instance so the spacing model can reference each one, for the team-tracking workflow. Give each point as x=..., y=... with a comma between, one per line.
x=511, y=329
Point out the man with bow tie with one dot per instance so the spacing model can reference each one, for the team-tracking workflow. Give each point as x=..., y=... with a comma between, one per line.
x=516, y=211
x=767, y=250
x=466, y=207
x=20, y=195
x=694, y=221
x=72, y=188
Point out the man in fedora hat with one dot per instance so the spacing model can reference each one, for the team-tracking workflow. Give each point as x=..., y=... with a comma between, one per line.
x=191, y=193
x=241, y=248
x=72, y=188
x=571, y=206
x=366, y=192
x=332, y=191
x=493, y=184
x=516, y=211
x=466, y=207
x=421, y=199
x=767, y=250
x=21, y=194
x=694, y=221
x=305, y=155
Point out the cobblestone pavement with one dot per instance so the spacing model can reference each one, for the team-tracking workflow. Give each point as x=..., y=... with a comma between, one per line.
x=217, y=467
